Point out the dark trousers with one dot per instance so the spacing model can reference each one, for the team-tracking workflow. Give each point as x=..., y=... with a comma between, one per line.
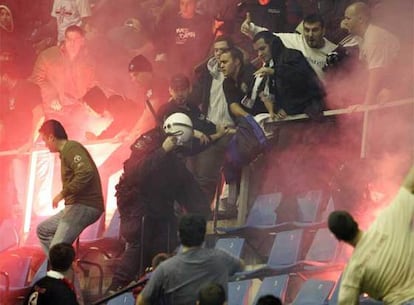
x=153, y=235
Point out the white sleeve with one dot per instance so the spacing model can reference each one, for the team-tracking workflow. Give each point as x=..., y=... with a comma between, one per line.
x=53, y=12
x=254, y=29
x=84, y=8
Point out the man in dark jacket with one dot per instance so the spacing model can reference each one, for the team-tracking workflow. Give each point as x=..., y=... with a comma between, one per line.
x=295, y=86
x=208, y=92
x=153, y=179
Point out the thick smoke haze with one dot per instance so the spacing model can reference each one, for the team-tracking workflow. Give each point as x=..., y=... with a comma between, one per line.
x=303, y=155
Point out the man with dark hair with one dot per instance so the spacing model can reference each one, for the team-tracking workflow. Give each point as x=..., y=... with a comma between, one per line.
x=55, y=288
x=153, y=92
x=81, y=189
x=238, y=80
x=178, y=279
x=20, y=112
x=295, y=86
x=205, y=132
x=64, y=73
x=20, y=107
x=183, y=37
x=268, y=300
x=122, y=111
x=123, y=115
x=343, y=225
x=208, y=92
x=212, y=294
x=311, y=43
x=381, y=264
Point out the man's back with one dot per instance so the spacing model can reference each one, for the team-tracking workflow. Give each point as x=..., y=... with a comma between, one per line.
x=50, y=291
x=381, y=264
x=180, y=277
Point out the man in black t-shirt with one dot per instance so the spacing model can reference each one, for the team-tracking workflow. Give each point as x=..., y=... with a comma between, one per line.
x=237, y=85
x=184, y=38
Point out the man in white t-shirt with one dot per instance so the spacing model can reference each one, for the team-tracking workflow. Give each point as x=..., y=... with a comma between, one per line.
x=69, y=12
x=382, y=262
x=378, y=49
x=312, y=43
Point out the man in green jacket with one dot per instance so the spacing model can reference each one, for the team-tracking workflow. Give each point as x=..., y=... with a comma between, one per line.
x=81, y=189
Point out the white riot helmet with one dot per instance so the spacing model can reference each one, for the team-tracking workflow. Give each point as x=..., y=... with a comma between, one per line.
x=179, y=125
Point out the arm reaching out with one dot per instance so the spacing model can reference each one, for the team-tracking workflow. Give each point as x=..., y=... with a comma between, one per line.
x=249, y=29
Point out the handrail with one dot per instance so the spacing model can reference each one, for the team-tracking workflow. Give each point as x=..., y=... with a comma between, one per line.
x=358, y=108
x=349, y=110
x=130, y=287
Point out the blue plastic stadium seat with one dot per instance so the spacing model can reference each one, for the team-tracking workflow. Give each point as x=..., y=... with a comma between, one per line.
x=233, y=246
x=314, y=292
x=282, y=258
x=261, y=216
x=274, y=285
x=123, y=299
x=238, y=292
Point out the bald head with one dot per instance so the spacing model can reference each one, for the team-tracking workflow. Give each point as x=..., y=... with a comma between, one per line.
x=360, y=9
x=357, y=18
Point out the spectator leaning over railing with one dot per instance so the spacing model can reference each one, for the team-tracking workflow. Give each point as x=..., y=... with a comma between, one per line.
x=382, y=261
x=312, y=43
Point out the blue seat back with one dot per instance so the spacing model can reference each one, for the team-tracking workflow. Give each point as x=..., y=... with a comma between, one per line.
x=286, y=248
x=40, y=273
x=233, y=246
x=334, y=297
x=238, y=292
x=324, y=247
x=314, y=292
x=124, y=299
x=309, y=205
x=263, y=212
x=275, y=285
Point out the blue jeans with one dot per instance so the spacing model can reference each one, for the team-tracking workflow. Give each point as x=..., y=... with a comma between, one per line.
x=66, y=225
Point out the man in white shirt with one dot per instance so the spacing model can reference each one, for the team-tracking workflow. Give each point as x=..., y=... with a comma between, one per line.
x=382, y=262
x=69, y=12
x=312, y=43
x=208, y=92
x=378, y=49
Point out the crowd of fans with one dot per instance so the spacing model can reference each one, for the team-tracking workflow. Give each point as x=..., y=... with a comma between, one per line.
x=118, y=69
